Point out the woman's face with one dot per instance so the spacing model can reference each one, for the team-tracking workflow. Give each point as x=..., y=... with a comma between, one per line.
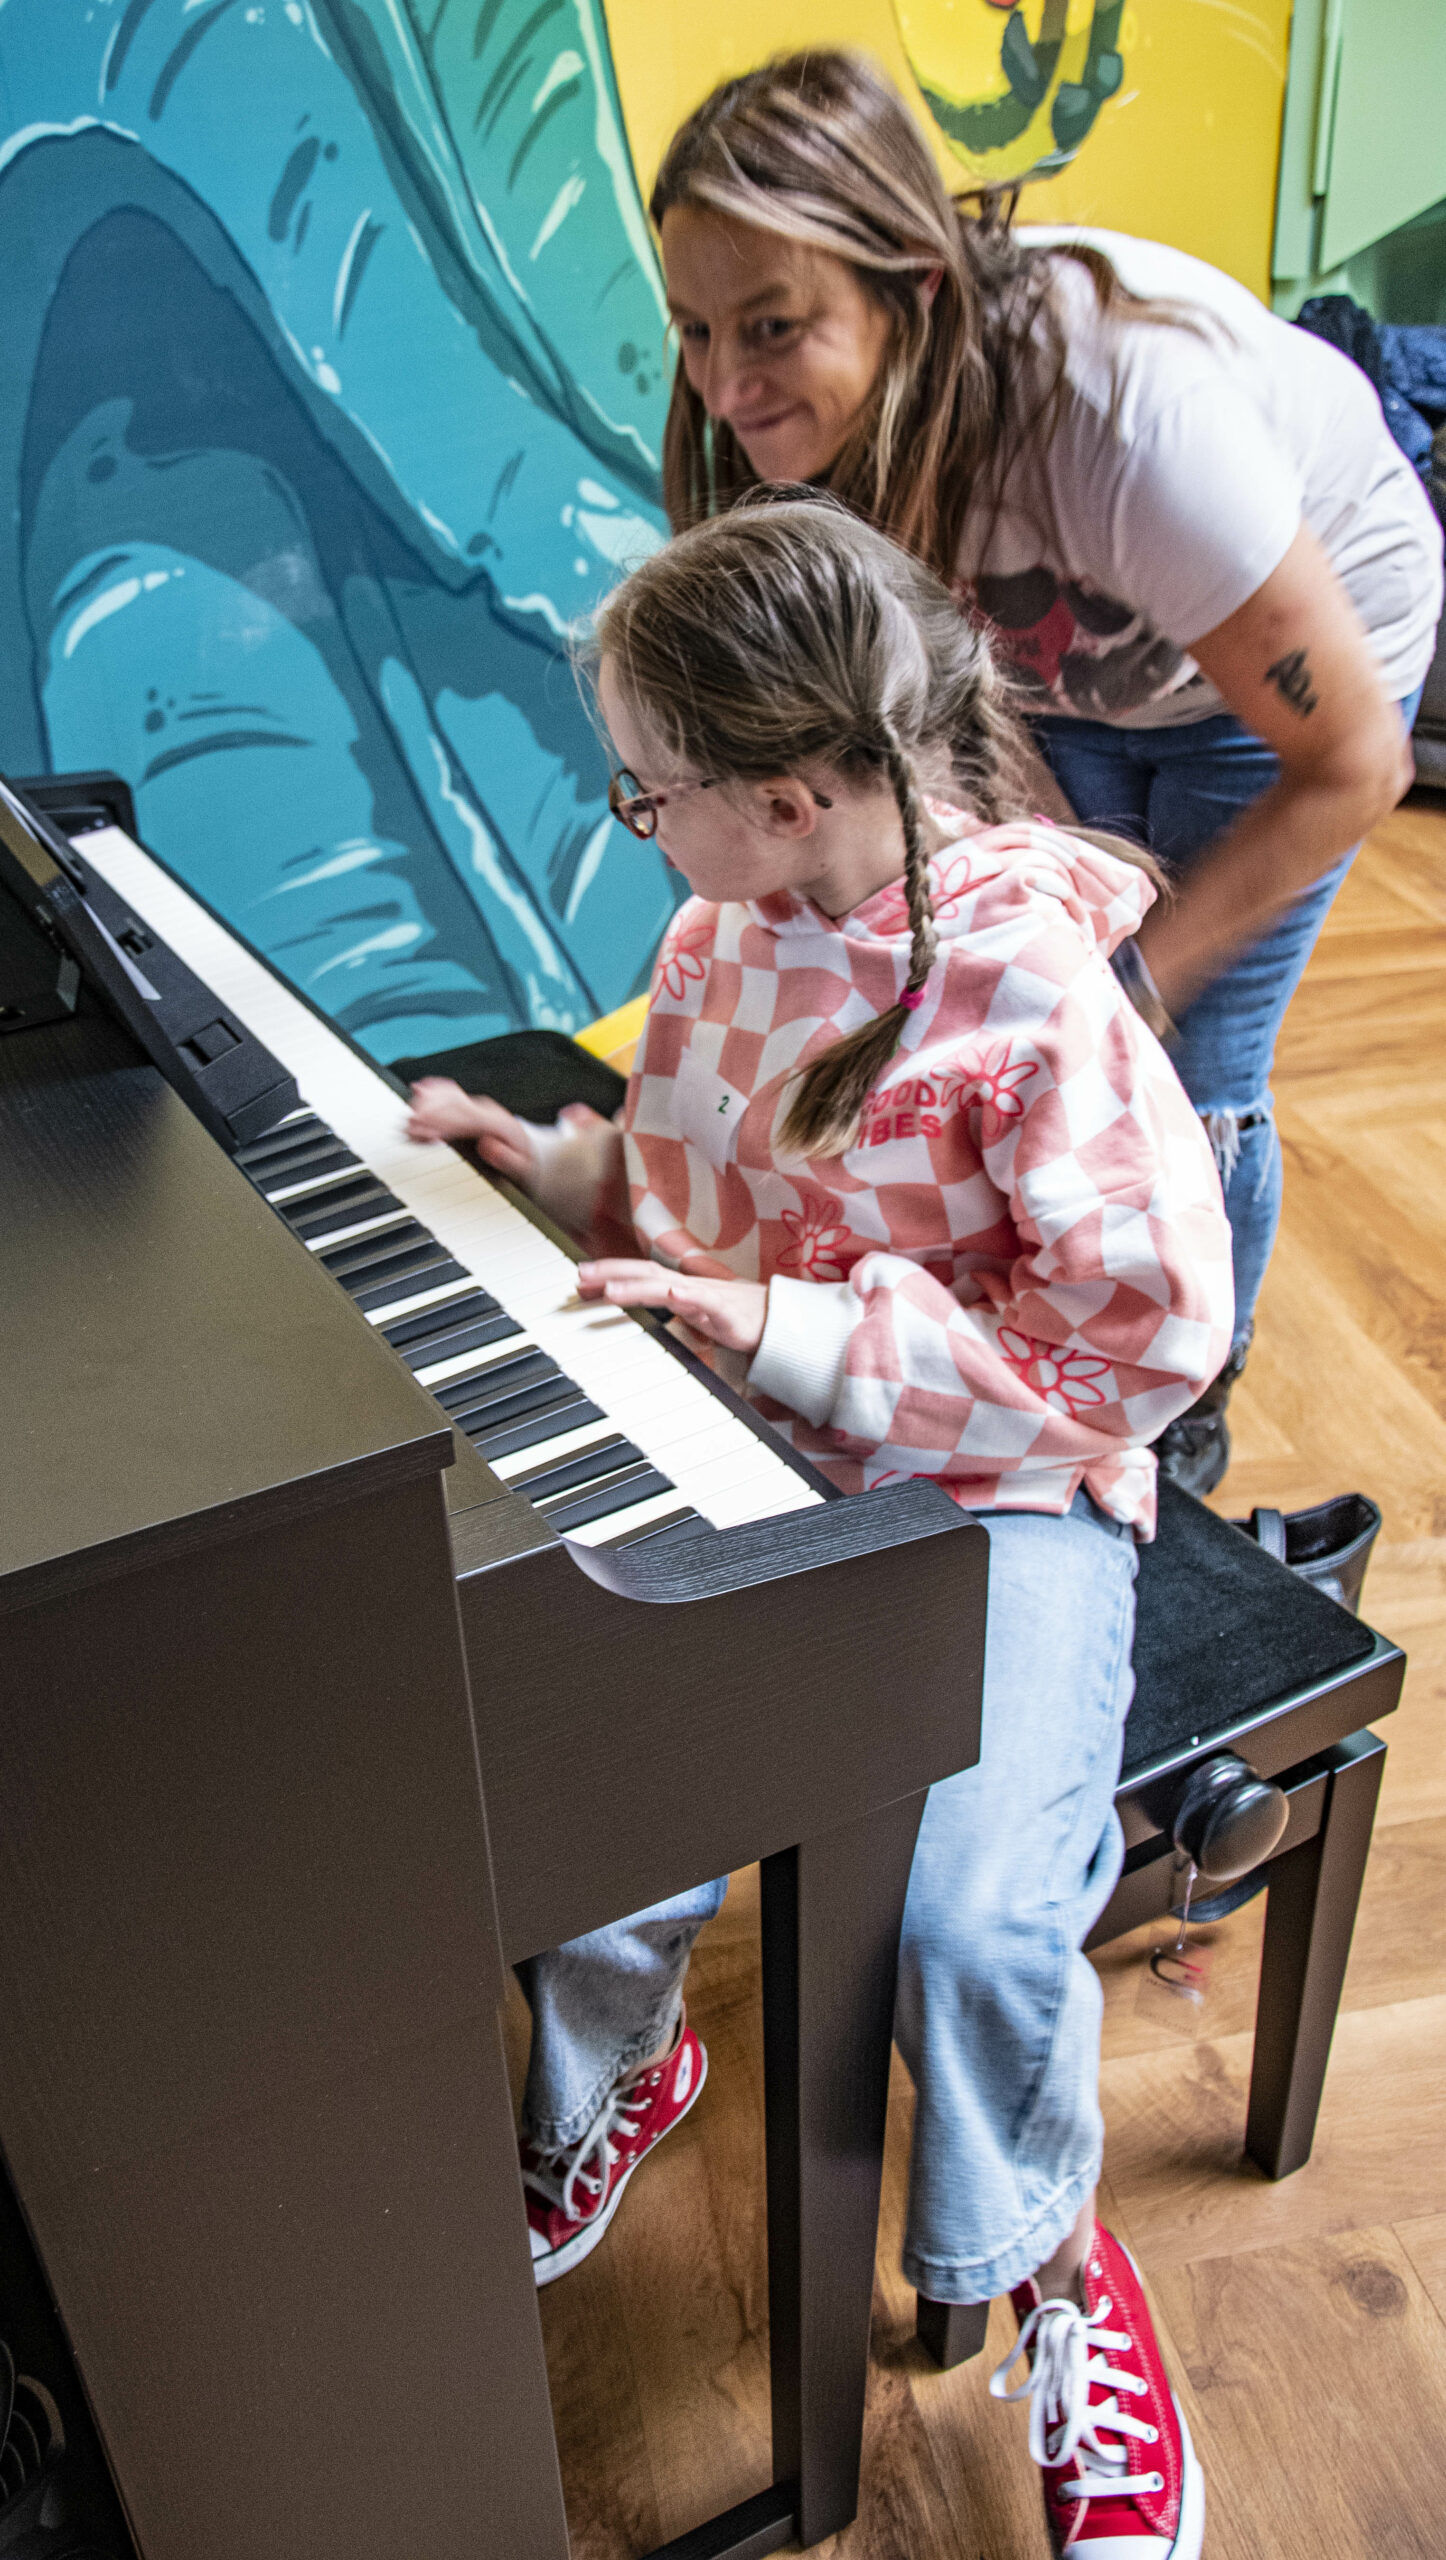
x=781, y=341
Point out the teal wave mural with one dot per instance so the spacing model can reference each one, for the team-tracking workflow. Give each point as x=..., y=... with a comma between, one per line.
x=333, y=400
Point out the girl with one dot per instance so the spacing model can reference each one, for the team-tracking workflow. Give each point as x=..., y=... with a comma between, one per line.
x=1186, y=522
x=897, y=1148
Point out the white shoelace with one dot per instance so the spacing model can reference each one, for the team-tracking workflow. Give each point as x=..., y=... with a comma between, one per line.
x=585, y=2167
x=1071, y=2352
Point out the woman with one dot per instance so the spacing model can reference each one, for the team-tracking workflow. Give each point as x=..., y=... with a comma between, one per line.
x=1186, y=524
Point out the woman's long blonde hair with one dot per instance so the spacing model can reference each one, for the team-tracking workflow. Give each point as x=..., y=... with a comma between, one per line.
x=788, y=637
x=819, y=147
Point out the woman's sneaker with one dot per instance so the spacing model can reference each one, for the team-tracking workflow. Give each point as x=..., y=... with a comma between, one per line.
x=1121, y=2481
x=572, y=2195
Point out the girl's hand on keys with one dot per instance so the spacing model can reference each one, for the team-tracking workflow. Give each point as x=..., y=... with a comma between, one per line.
x=728, y=1312
x=441, y=1110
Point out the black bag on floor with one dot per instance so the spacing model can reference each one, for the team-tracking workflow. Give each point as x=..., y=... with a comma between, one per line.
x=1329, y=1545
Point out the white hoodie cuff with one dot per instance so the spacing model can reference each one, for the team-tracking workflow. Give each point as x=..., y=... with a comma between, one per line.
x=806, y=1335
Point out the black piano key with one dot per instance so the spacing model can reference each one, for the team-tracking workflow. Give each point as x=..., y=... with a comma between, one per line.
x=415, y=1329
x=409, y=1236
x=548, y=1396
x=407, y=1284
x=585, y=1466
x=304, y=1164
x=468, y=1337
x=344, y=1207
x=636, y=1484
x=290, y=1133
x=505, y=1438
x=468, y=1395
x=655, y=1531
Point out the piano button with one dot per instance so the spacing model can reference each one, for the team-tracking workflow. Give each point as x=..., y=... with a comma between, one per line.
x=635, y=1484
x=410, y=1331
x=536, y=1431
x=471, y=1370
x=568, y=1475
x=387, y=1293
x=361, y=1196
x=481, y=1387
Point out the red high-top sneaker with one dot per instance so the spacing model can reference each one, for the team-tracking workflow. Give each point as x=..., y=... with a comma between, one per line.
x=1121, y=2481
x=572, y=2195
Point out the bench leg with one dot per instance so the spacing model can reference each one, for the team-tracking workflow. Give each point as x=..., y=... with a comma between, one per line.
x=1310, y=1914
x=951, y=2332
x=832, y=1910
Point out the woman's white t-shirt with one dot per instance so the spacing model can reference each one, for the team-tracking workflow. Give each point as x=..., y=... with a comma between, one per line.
x=1180, y=469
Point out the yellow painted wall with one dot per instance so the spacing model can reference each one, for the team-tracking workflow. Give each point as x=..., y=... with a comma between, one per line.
x=1187, y=152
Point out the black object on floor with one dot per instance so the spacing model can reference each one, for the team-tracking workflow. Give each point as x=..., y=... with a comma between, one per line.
x=1328, y=1545
x=534, y=1073
x=56, y=2499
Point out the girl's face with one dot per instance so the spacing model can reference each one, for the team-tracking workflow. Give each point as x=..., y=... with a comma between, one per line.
x=781, y=341
x=758, y=838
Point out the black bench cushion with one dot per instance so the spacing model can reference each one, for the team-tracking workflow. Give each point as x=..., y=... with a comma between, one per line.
x=1221, y=1628
x=534, y=1073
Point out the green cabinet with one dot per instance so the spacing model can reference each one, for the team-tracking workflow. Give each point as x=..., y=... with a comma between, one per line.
x=1363, y=147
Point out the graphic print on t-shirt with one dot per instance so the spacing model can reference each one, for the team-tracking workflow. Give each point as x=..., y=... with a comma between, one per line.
x=1090, y=653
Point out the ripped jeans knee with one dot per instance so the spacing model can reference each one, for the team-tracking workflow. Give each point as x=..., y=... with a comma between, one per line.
x=1225, y=1131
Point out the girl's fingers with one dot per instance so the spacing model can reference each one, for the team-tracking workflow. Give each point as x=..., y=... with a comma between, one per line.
x=729, y=1312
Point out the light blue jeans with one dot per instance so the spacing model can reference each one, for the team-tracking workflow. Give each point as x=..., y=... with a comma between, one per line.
x=1177, y=790
x=998, y=2012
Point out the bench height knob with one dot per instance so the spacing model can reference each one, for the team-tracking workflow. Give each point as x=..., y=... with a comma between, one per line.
x=1228, y=1819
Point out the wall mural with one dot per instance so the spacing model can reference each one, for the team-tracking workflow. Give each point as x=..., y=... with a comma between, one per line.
x=334, y=392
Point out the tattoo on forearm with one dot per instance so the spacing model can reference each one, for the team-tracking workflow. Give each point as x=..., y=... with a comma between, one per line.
x=1291, y=679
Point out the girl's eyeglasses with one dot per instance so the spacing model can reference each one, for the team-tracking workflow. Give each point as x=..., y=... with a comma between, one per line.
x=638, y=809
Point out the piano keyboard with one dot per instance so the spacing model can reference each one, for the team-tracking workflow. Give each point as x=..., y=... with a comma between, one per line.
x=578, y=1406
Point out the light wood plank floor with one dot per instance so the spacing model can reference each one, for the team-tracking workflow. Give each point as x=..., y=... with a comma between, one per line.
x=1306, y=2322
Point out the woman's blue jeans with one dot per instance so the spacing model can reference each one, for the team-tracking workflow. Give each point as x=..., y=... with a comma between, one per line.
x=998, y=2012
x=1177, y=791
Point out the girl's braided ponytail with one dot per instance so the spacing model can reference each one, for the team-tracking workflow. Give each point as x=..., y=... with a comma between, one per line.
x=827, y=1102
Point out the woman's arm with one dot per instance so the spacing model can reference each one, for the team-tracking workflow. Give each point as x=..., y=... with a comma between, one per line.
x=1294, y=666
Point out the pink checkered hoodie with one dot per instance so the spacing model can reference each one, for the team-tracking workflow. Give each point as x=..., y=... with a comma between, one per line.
x=1021, y=1270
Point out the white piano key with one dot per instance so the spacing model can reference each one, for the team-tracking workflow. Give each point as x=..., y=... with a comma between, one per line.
x=718, y=1463
x=551, y=1453
x=377, y=1226
x=419, y=1303
x=464, y=1364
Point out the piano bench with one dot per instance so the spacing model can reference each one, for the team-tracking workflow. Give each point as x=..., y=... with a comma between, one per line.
x=1238, y=1661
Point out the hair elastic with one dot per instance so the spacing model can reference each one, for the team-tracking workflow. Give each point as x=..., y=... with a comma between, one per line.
x=912, y=998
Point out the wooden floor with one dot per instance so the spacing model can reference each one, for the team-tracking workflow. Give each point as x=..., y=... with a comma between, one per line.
x=1305, y=2322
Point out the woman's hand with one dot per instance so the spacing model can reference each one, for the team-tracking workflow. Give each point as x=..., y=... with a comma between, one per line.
x=441, y=1110
x=731, y=1313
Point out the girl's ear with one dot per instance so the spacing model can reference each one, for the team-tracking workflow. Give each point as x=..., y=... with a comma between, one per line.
x=789, y=807
x=929, y=286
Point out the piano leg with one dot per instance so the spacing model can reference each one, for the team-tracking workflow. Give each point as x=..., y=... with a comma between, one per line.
x=832, y=1910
